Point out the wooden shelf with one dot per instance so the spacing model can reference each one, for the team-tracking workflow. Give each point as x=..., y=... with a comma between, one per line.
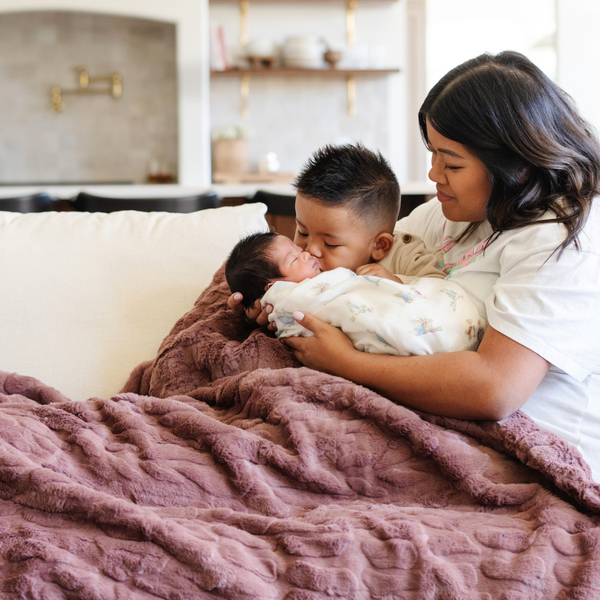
x=235, y=178
x=284, y=72
x=267, y=70
x=349, y=74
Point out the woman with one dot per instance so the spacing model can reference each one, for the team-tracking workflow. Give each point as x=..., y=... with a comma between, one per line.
x=517, y=225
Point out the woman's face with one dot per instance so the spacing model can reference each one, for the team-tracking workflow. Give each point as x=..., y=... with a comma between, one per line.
x=462, y=180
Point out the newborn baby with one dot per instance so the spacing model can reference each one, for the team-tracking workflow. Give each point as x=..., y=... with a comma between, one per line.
x=418, y=316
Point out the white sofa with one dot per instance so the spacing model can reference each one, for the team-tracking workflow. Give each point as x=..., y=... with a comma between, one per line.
x=85, y=297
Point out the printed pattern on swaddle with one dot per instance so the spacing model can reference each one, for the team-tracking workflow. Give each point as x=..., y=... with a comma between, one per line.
x=425, y=316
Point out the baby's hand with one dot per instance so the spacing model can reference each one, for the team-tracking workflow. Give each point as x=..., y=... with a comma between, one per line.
x=375, y=270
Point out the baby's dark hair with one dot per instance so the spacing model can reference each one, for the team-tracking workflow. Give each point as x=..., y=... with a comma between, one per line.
x=250, y=268
x=353, y=176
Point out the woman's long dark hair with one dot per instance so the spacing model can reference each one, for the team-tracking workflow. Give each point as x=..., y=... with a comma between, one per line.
x=540, y=154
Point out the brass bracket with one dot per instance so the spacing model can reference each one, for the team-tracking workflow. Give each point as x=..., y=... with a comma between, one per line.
x=351, y=22
x=84, y=79
x=244, y=6
x=351, y=82
x=351, y=40
x=245, y=94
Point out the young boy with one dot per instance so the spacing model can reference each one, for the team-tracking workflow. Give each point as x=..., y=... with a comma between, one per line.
x=347, y=204
x=378, y=315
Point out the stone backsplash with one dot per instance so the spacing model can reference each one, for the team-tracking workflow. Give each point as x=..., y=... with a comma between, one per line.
x=96, y=138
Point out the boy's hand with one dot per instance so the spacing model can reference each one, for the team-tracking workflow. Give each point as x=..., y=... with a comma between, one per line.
x=375, y=270
x=254, y=313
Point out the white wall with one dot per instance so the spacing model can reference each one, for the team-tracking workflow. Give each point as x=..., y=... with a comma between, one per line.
x=513, y=25
x=458, y=30
x=526, y=26
x=578, y=47
x=190, y=18
x=417, y=88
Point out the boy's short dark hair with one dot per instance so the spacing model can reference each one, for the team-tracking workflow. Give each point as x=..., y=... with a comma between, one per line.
x=353, y=176
x=250, y=268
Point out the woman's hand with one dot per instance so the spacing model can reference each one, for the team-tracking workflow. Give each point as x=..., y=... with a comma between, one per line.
x=329, y=350
x=375, y=270
x=488, y=384
x=254, y=313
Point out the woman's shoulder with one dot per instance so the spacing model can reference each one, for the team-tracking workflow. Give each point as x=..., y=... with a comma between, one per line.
x=543, y=235
x=428, y=222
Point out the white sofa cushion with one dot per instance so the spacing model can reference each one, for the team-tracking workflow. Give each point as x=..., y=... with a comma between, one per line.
x=85, y=297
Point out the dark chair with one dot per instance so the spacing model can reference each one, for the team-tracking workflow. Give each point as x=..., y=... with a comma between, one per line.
x=281, y=211
x=90, y=203
x=277, y=204
x=28, y=204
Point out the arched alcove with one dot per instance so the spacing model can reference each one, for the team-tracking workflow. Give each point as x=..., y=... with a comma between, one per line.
x=189, y=17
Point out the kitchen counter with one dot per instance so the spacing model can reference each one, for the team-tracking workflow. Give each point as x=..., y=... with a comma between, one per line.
x=409, y=188
x=413, y=194
x=65, y=192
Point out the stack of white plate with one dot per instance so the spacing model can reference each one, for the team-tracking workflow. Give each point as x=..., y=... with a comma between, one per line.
x=303, y=52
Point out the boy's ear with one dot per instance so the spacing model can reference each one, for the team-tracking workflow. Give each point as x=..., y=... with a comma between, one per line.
x=269, y=285
x=382, y=245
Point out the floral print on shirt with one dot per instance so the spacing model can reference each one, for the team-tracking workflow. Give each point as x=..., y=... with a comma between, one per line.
x=466, y=259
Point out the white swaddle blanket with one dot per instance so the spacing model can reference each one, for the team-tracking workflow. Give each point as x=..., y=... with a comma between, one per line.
x=424, y=316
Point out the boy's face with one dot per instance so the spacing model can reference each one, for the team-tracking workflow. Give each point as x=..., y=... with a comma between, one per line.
x=333, y=234
x=294, y=264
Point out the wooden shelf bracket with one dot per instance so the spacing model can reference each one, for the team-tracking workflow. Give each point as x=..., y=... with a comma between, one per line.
x=351, y=84
x=351, y=40
x=351, y=22
x=245, y=94
x=244, y=6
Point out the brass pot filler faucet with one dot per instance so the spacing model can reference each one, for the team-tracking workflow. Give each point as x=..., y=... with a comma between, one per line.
x=86, y=87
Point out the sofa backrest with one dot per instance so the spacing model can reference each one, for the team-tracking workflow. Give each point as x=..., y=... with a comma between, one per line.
x=85, y=297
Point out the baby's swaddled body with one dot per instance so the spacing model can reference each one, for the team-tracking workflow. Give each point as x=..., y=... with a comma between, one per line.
x=423, y=316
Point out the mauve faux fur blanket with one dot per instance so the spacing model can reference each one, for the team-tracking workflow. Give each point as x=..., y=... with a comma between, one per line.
x=239, y=474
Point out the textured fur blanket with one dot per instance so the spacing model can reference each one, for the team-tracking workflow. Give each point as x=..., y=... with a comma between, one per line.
x=238, y=474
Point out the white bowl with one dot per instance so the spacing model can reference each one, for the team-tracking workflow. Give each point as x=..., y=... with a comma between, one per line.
x=261, y=47
x=303, y=55
x=311, y=44
x=302, y=40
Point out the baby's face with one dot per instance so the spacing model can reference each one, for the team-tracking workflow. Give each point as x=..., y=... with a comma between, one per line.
x=332, y=234
x=294, y=264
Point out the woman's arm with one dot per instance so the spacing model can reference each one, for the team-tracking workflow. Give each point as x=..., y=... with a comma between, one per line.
x=488, y=384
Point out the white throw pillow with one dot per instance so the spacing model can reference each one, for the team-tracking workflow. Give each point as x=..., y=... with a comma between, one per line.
x=85, y=297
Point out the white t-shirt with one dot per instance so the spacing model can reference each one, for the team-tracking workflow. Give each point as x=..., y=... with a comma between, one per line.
x=549, y=305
